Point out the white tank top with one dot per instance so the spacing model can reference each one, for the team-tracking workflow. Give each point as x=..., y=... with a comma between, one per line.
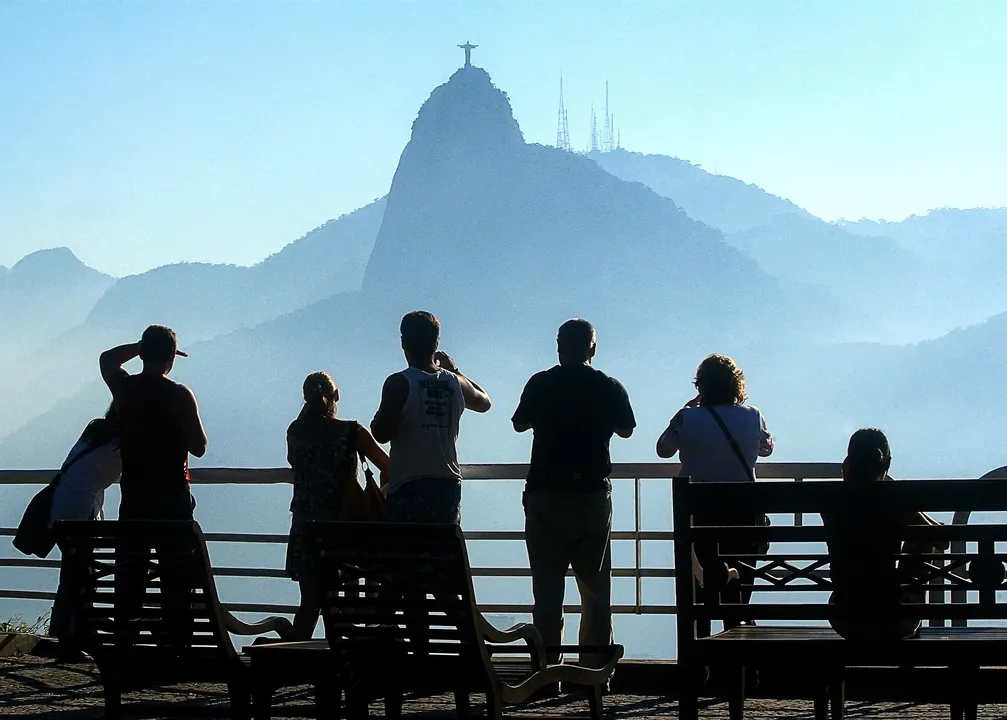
x=424, y=446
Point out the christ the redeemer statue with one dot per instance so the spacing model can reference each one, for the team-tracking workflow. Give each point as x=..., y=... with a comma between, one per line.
x=468, y=48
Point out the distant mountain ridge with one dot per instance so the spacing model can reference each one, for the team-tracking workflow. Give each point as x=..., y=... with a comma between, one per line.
x=43, y=295
x=723, y=202
x=200, y=301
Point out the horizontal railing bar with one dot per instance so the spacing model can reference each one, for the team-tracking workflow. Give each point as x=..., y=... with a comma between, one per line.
x=481, y=535
x=254, y=572
x=480, y=472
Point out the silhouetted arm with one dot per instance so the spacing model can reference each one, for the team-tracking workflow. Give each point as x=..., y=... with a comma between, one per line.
x=192, y=425
x=374, y=452
x=476, y=399
x=766, y=442
x=527, y=408
x=388, y=418
x=111, y=361
x=667, y=444
x=623, y=419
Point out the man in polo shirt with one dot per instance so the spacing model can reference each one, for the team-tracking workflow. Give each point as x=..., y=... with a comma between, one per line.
x=574, y=410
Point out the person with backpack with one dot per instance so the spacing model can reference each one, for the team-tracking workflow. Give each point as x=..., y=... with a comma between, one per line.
x=719, y=438
x=91, y=467
x=324, y=452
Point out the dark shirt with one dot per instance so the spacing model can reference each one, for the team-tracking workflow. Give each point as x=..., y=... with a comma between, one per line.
x=863, y=549
x=155, y=455
x=574, y=410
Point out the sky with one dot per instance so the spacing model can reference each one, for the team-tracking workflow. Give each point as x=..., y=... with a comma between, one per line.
x=143, y=133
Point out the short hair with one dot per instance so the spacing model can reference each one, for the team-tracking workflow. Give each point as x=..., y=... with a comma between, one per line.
x=575, y=338
x=868, y=453
x=158, y=344
x=720, y=381
x=420, y=333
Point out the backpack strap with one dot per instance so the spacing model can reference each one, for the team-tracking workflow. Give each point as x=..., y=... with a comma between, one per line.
x=749, y=471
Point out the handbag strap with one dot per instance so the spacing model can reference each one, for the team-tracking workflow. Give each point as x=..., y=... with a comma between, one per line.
x=734, y=443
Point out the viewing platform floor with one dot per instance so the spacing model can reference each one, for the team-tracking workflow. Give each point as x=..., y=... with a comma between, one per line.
x=32, y=687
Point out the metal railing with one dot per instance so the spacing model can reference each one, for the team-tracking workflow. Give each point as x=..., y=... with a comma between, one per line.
x=621, y=473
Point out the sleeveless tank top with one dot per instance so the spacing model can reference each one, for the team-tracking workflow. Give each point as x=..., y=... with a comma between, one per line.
x=155, y=455
x=424, y=446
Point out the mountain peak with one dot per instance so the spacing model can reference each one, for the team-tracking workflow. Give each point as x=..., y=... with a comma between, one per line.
x=59, y=259
x=469, y=112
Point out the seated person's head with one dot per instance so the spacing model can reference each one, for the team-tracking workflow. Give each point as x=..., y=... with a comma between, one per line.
x=868, y=457
x=576, y=341
x=421, y=333
x=720, y=381
x=320, y=395
x=157, y=347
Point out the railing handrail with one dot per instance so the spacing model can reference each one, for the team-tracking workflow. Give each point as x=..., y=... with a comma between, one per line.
x=796, y=471
x=470, y=472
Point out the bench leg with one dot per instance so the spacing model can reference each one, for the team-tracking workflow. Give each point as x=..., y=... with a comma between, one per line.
x=688, y=705
x=594, y=700
x=837, y=698
x=113, y=701
x=822, y=701
x=463, y=708
x=262, y=702
x=240, y=700
x=736, y=698
x=393, y=706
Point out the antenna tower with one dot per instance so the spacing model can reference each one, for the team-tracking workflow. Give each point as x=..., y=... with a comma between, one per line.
x=606, y=139
x=594, y=131
x=562, y=122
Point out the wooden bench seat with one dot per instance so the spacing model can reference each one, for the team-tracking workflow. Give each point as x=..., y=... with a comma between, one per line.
x=792, y=585
x=149, y=614
x=401, y=615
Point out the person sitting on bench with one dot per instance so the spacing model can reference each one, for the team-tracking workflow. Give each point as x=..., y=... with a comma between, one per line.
x=866, y=579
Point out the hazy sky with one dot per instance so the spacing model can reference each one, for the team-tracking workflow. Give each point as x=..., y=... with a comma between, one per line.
x=140, y=133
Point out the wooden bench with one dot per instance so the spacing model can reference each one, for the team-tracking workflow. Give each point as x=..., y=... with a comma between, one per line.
x=792, y=587
x=400, y=613
x=149, y=614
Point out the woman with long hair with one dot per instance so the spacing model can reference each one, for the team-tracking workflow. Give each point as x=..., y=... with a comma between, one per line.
x=324, y=452
x=719, y=438
x=92, y=465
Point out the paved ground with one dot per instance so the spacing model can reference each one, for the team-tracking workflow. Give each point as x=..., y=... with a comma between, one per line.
x=36, y=688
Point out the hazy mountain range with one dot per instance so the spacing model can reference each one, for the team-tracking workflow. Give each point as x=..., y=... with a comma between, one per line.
x=504, y=240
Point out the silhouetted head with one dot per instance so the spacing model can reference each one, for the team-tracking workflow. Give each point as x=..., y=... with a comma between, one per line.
x=868, y=457
x=576, y=342
x=157, y=348
x=720, y=381
x=421, y=332
x=104, y=429
x=320, y=395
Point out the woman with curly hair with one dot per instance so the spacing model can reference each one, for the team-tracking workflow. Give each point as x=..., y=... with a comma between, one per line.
x=719, y=438
x=323, y=451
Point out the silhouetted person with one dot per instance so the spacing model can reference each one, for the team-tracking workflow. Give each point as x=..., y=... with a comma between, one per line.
x=863, y=543
x=323, y=451
x=719, y=439
x=160, y=428
x=91, y=466
x=574, y=410
x=419, y=414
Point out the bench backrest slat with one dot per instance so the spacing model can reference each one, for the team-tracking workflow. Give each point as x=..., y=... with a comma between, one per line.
x=146, y=592
x=793, y=581
x=398, y=598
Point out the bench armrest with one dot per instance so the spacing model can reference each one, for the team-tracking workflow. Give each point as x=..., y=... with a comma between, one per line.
x=280, y=625
x=522, y=631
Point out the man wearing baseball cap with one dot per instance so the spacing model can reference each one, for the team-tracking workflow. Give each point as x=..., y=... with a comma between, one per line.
x=160, y=425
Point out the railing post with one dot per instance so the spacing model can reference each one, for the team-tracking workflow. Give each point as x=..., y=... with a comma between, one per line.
x=636, y=541
x=798, y=516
